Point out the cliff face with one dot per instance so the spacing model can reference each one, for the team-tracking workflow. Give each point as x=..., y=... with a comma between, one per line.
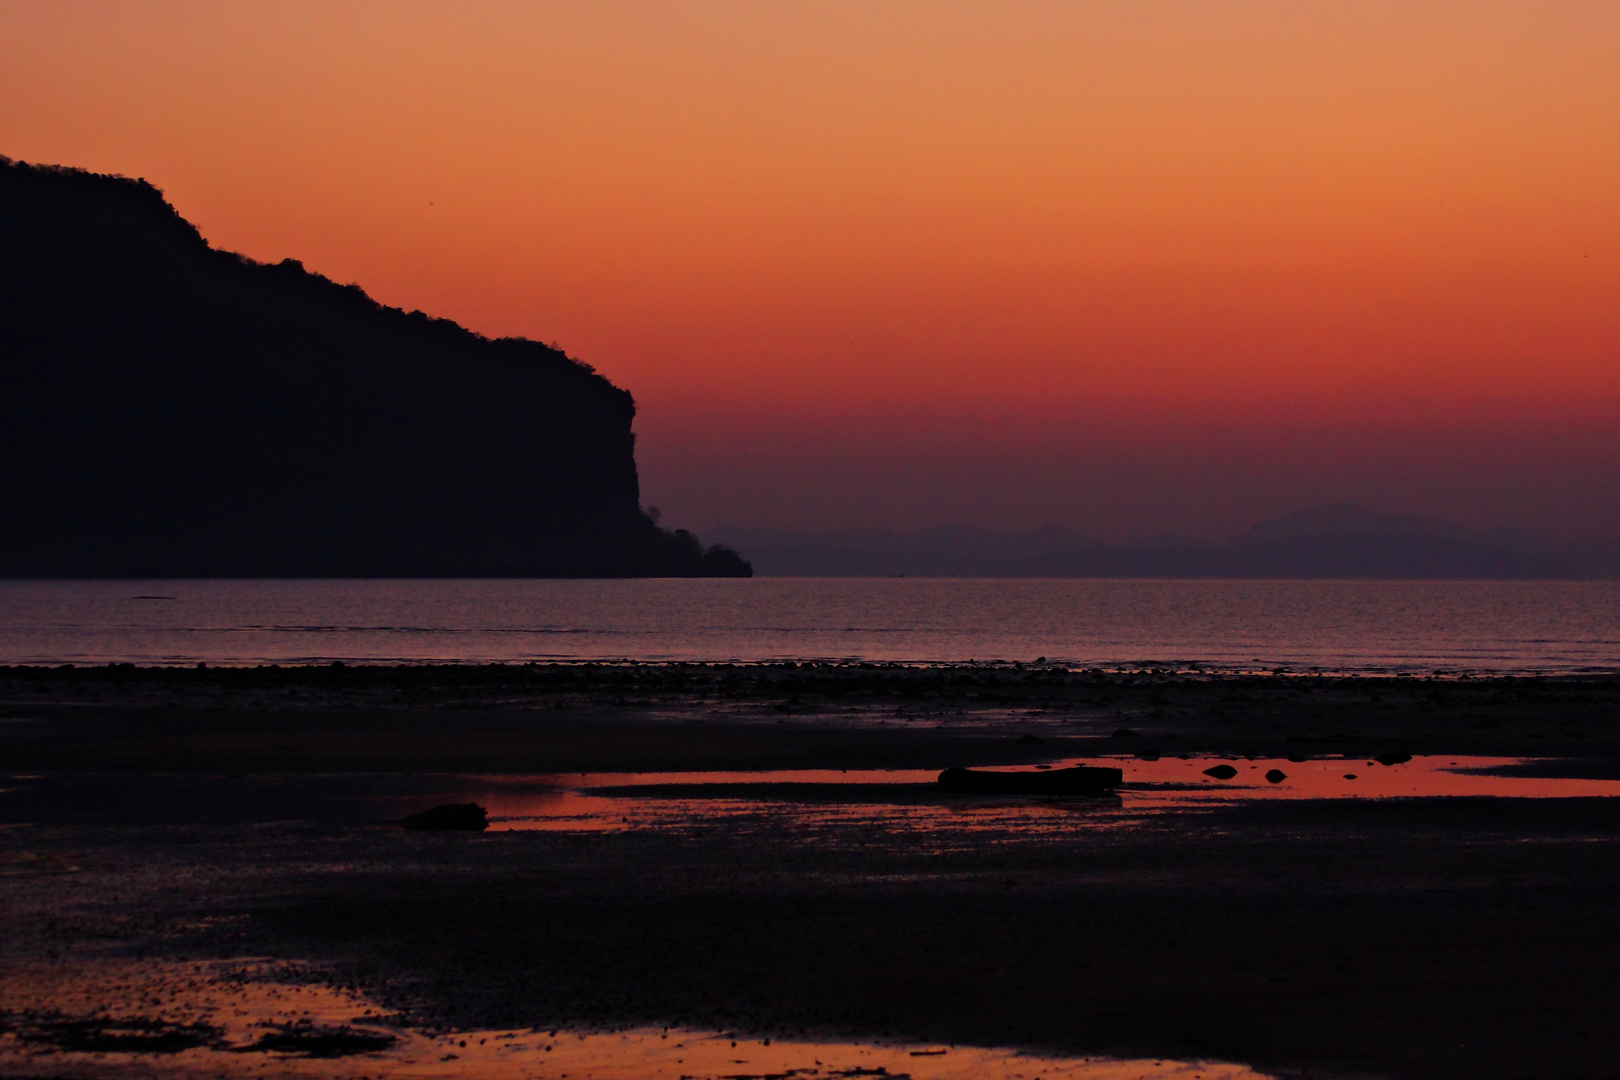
x=169, y=409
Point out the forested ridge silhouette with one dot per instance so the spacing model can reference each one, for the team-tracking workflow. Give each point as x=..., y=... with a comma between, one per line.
x=169, y=409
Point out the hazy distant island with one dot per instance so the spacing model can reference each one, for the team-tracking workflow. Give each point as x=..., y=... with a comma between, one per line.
x=169, y=409
x=1336, y=541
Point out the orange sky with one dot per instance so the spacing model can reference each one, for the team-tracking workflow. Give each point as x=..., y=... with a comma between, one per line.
x=1091, y=235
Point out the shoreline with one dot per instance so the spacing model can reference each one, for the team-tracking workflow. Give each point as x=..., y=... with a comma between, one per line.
x=1401, y=937
x=673, y=717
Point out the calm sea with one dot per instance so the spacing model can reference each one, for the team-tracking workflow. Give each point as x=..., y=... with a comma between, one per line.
x=1301, y=625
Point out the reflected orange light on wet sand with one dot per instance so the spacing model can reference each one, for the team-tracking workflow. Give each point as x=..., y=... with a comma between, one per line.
x=251, y=1019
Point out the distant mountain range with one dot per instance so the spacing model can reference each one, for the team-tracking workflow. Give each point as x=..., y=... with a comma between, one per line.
x=1336, y=541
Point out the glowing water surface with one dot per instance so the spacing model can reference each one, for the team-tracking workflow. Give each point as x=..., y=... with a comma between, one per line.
x=832, y=805
x=911, y=798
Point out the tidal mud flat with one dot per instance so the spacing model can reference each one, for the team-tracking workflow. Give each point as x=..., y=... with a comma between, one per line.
x=161, y=817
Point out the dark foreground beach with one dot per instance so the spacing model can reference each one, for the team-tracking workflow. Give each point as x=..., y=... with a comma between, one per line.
x=159, y=818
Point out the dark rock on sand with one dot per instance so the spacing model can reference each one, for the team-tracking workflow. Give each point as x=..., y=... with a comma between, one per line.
x=1080, y=780
x=469, y=817
x=1124, y=733
x=1221, y=772
x=122, y=1035
x=323, y=1042
x=1276, y=776
x=1393, y=758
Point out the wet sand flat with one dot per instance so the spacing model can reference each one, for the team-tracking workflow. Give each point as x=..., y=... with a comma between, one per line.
x=245, y=1018
x=1442, y=936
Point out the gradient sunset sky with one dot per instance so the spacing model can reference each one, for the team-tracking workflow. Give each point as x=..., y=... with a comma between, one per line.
x=1129, y=267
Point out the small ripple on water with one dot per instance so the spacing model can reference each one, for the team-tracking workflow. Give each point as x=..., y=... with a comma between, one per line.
x=1372, y=627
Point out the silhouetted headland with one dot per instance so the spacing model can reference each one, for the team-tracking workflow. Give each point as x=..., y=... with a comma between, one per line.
x=168, y=409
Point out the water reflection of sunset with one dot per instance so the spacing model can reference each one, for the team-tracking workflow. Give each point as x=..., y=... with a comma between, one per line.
x=910, y=799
